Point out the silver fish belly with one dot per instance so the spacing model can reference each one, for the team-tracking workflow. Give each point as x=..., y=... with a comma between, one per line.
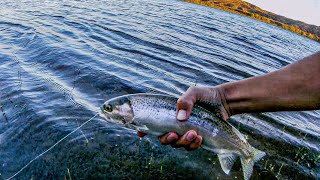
x=156, y=114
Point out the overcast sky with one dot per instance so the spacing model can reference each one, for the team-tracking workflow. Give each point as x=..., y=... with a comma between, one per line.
x=307, y=11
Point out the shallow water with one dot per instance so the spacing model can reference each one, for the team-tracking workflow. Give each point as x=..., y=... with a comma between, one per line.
x=60, y=60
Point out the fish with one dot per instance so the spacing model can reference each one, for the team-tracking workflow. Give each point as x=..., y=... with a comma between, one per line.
x=155, y=114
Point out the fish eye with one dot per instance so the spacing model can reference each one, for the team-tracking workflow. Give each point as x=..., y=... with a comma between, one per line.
x=107, y=107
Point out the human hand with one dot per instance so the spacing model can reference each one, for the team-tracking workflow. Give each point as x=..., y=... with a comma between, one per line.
x=191, y=140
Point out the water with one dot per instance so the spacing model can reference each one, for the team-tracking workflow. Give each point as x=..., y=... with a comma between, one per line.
x=60, y=60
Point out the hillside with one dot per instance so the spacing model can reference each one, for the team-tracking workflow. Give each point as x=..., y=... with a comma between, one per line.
x=252, y=11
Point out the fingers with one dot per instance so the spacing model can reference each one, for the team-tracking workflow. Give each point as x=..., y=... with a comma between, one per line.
x=185, y=104
x=184, y=108
x=195, y=144
x=190, y=140
x=168, y=138
x=213, y=95
x=186, y=139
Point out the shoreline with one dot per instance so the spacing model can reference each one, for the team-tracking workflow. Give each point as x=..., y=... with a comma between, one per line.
x=251, y=11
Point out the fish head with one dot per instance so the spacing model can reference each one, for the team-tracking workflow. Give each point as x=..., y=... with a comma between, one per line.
x=118, y=110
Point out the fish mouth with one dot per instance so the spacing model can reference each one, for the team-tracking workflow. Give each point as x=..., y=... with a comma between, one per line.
x=105, y=116
x=102, y=111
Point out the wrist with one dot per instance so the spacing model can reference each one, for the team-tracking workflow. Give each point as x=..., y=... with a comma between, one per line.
x=222, y=91
x=234, y=97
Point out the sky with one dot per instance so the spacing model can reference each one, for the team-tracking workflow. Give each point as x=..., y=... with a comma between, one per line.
x=307, y=11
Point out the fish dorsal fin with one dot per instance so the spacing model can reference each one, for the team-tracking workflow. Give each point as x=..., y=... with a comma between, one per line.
x=226, y=161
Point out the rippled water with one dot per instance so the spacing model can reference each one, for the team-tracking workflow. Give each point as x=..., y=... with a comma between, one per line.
x=60, y=60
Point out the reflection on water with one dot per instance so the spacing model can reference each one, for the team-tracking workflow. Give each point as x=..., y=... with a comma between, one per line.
x=61, y=60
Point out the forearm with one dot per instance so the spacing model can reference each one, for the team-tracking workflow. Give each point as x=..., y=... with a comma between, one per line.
x=294, y=87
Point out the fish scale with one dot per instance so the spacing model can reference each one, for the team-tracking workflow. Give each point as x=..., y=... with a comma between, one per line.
x=155, y=114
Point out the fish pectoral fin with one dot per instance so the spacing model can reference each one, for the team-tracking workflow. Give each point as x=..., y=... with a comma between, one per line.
x=227, y=161
x=143, y=128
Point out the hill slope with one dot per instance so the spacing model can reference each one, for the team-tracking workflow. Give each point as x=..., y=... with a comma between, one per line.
x=250, y=10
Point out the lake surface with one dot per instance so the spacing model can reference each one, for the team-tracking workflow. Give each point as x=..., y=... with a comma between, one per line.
x=60, y=60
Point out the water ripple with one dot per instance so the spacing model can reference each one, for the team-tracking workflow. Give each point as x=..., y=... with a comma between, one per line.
x=60, y=60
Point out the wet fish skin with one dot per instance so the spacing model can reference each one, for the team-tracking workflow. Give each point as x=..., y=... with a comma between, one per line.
x=156, y=114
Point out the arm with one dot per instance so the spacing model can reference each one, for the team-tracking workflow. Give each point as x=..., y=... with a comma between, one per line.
x=291, y=88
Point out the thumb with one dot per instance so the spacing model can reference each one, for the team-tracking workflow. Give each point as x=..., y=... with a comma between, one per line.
x=184, y=108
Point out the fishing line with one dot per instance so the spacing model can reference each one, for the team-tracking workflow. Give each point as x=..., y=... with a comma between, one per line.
x=52, y=147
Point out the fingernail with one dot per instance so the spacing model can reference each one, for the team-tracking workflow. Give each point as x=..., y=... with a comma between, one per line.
x=197, y=140
x=190, y=136
x=182, y=114
x=171, y=138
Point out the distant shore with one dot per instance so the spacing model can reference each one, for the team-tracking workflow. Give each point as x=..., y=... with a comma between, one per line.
x=252, y=11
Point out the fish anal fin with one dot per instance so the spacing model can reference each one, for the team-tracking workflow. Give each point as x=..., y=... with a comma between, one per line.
x=227, y=161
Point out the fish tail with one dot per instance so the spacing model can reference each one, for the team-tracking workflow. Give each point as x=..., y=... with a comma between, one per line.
x=248, y=162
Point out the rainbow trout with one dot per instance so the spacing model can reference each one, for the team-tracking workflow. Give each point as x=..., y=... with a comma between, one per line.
x=156, y=114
